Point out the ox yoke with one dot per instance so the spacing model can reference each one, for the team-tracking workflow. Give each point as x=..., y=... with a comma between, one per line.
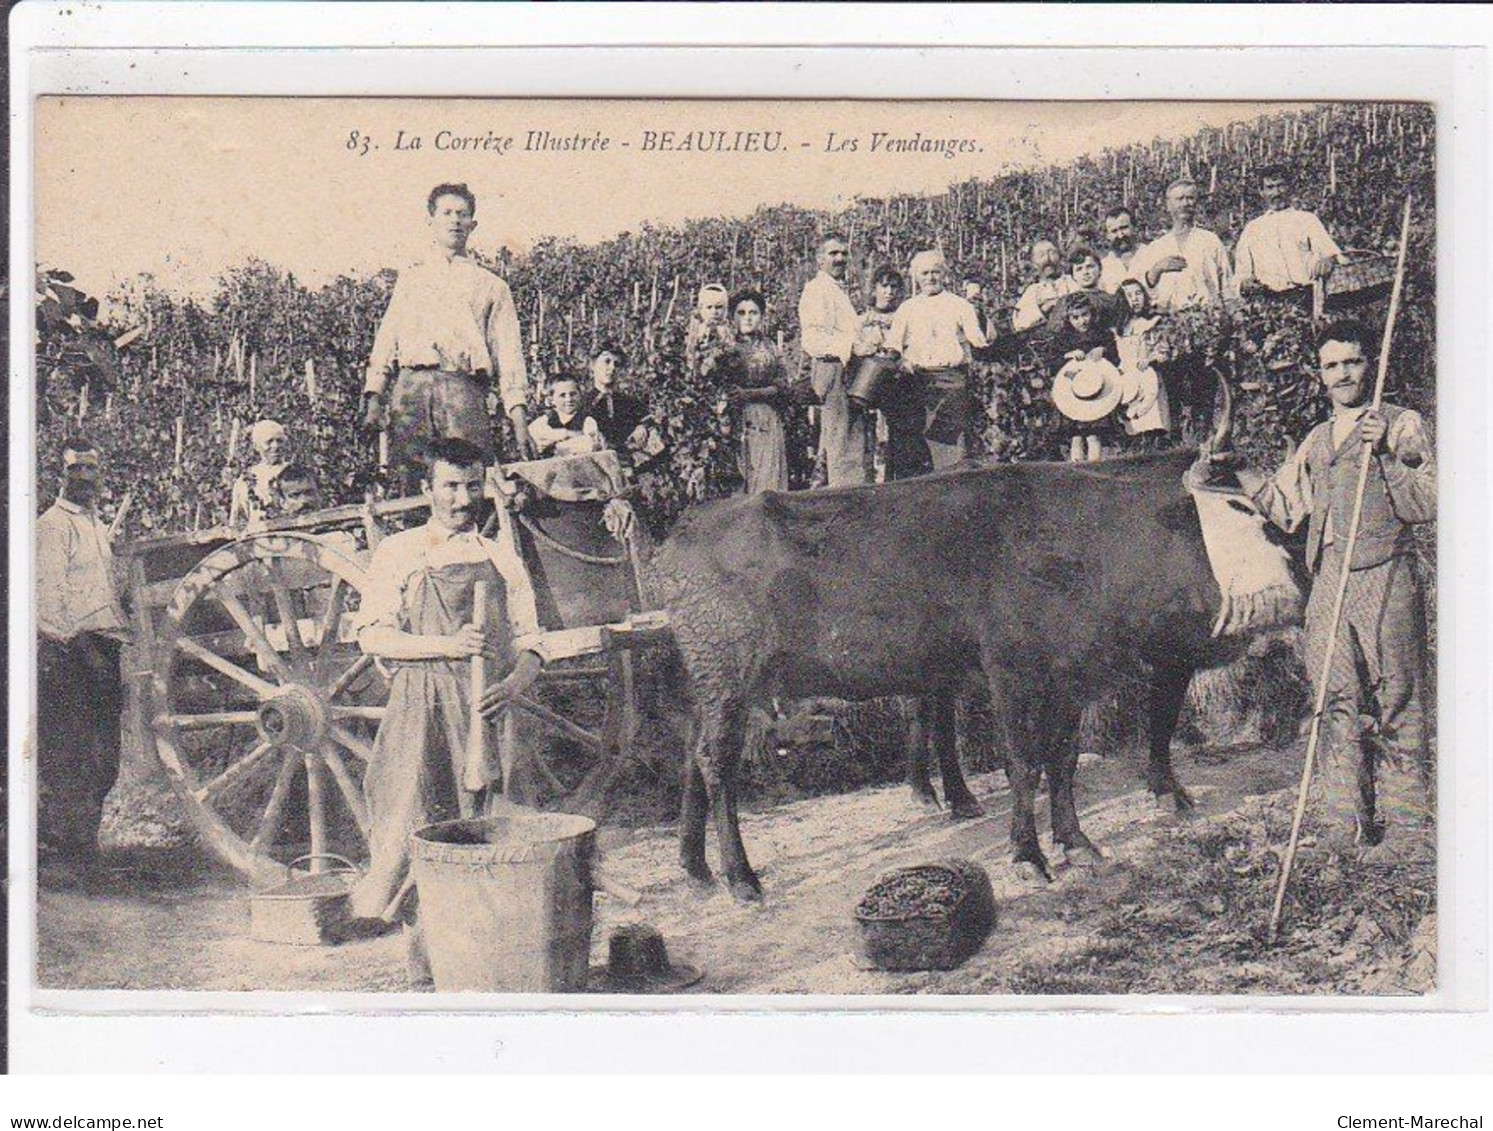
x=1074, y=572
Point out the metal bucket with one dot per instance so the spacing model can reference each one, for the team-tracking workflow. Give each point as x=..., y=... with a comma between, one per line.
x=505, y=902
x=873, y=375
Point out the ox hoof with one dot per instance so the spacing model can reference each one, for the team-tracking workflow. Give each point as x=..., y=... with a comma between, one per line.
x=924, y=796
x=1183, y=800
x=1031, y=872
x=744, y=891
x=1082, y=856
x=966, y=810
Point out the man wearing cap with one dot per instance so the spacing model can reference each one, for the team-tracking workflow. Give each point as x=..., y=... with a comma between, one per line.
x=1378, y=662
x=254, y=492
x=418, y=613
x=935, y=333
x=1285, y=248
x=79, y=696
x=450, y=333
x=617, y=415
x=1038, y=300
x=831, y=336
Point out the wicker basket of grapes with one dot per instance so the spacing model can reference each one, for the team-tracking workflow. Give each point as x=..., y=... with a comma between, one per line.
x=925, y=917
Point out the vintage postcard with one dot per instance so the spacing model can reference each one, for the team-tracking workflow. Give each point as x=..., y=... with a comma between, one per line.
x=701, y=548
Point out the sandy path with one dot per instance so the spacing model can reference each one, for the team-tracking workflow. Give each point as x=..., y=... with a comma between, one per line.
x=182, y=924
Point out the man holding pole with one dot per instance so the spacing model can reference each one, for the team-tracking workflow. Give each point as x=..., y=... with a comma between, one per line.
x=420, y=611
x=450, y=333
x=1377, y=639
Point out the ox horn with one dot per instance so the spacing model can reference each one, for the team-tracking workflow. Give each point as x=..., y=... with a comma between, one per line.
x=1223, y=431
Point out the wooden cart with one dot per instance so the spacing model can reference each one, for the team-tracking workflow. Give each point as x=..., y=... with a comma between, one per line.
x=253, y=693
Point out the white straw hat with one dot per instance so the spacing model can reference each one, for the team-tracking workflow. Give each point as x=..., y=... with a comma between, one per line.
x=1087, y=391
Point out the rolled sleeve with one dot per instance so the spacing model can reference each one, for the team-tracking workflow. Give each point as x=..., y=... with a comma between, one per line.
x=505, y=344
x=383, y=597
x=1285, y=498
x=1410, y=469
x=384, y=356
x=54, y=549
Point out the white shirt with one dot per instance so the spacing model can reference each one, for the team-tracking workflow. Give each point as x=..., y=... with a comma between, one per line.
x=1115, y=268
x=447, y=312
x=1280, y=249
x=400, y=556
x=75, y=574
x=1207, y=280
x=827, y=319
x=1029, y=314
x=935, y=331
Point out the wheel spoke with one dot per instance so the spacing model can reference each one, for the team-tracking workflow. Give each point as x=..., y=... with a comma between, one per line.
x=375, y=713
x=218, y=663
x=351, y=742
x=299, y=657
x=274, y=812
x=235, y=772
x=258, y=641
x=350, y=791
x=344, y=681
x=209, y=719
x=331, y=621
x=316, y=810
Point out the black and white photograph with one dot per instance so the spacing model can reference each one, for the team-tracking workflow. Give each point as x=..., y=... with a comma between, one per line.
x=685, y=548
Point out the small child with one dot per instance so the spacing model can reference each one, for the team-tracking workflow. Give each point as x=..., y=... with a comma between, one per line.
x=1087, y=381
x=709, y=331
x=564, y=430
x=1147, y=415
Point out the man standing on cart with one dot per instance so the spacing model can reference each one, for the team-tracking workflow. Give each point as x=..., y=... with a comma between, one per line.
x=418, y=614
x=449, y=335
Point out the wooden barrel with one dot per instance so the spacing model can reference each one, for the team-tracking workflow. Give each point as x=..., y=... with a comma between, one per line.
x=505, y=902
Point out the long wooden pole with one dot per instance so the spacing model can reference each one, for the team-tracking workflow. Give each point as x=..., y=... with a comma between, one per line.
x=1365, y=461
x=474, y=774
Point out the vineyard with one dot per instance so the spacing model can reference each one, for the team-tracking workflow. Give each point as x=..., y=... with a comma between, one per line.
x=172, y=405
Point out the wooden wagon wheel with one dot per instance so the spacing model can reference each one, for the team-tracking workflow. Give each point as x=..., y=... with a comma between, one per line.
x=266, y=707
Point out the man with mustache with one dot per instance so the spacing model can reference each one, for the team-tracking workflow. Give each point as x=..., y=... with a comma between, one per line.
x=1285, y=248
x=830, y=331
x=1378, y=662
x=1119, y=230
x=417, y=613
x=449, y=335
x=79, y=694
x=1187, y=267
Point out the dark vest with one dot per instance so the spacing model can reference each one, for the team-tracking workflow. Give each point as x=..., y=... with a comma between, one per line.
x=1334, y=477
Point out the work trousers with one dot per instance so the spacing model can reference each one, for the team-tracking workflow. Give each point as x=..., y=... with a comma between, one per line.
x=1375, y=741
x=842, y=426
x=431, y=403
x=79, y=700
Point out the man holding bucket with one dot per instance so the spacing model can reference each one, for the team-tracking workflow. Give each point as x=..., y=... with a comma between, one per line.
x=420, y=612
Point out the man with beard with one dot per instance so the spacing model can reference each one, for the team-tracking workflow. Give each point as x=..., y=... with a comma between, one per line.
x=449, y=335
x=79, y=694
x=418, y=614
x=1114, y=268
x=1038, y=300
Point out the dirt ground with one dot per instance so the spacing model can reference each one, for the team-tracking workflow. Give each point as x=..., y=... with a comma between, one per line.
x=1179, y=907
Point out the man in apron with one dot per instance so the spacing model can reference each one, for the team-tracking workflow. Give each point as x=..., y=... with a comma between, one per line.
x=417, y=614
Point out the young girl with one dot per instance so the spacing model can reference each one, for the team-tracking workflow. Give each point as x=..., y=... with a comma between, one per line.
x=1086, y=389
x=756, y=382
x=1146, y=416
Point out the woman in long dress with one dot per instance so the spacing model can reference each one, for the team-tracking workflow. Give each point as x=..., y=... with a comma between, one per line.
x=756, y=383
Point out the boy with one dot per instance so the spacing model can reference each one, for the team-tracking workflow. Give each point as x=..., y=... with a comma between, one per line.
x=565, y=430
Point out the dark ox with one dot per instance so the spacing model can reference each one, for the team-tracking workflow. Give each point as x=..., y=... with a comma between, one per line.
x=1053, y=582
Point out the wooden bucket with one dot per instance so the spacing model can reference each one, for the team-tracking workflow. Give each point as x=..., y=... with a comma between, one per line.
x=505, y=902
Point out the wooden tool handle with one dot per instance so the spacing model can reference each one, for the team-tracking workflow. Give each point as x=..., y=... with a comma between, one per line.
x=474, y=774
